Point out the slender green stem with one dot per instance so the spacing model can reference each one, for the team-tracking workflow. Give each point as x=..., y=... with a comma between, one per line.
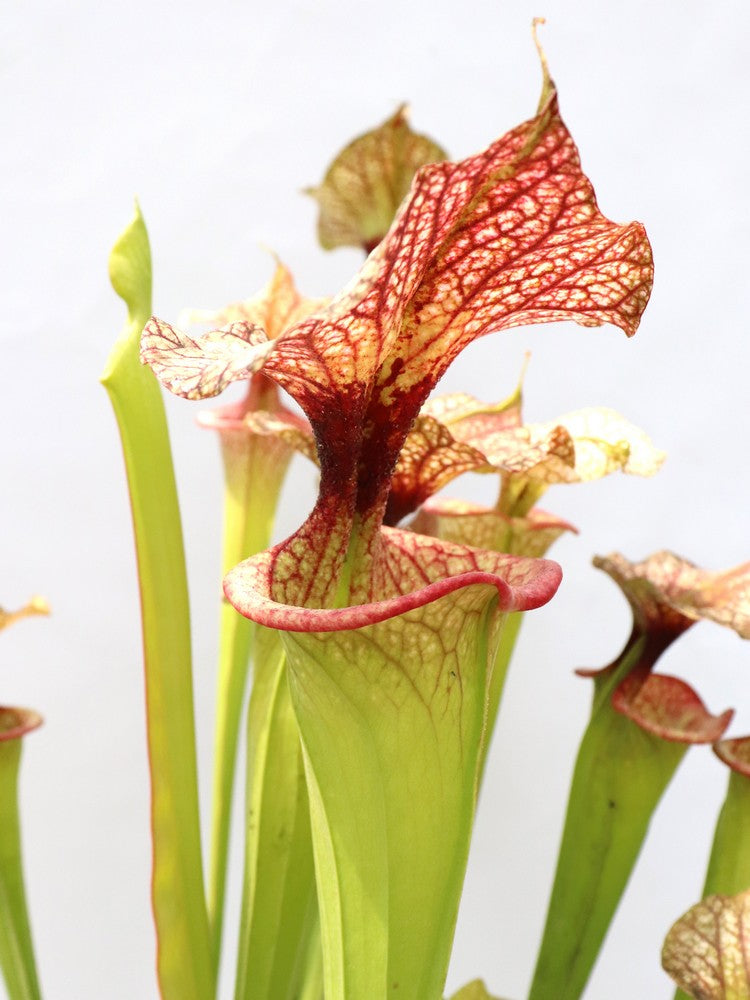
x=16, y=948
x=518, y=495
x=279, y=914
x=620, y=775
x=729, y=865
x=184, y=961
x=254, y=469
x=234, y=652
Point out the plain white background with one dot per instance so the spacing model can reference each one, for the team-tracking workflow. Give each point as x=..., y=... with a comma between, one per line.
x=216, y=119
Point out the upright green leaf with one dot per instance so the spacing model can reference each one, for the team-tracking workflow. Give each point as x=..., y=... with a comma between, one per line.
x=184, y=961
x=729, y=865
x=392, y=771
x=16, y=948
x=620, y=775
x=279, y=906
x=254, y=469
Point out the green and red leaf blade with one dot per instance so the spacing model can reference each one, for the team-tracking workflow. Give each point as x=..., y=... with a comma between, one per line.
x=185, y=964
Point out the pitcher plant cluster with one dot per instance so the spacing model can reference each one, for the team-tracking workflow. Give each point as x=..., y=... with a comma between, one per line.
x=364, y=657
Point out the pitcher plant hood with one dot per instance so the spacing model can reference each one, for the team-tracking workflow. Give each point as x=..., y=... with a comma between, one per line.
x=667, y=595
x=510, y=236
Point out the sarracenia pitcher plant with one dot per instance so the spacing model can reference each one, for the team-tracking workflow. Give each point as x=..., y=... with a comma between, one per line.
x=379, y=635
x=389, y=635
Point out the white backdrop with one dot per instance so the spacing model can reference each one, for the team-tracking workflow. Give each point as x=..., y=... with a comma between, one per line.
x=216, y=119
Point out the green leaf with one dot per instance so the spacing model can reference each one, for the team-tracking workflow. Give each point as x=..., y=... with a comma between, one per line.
x=254, y=469
x=16, y=948
x=729, y=865
x=184, y=961
x=279, y=907
x=391, y=744
x=620, y=775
